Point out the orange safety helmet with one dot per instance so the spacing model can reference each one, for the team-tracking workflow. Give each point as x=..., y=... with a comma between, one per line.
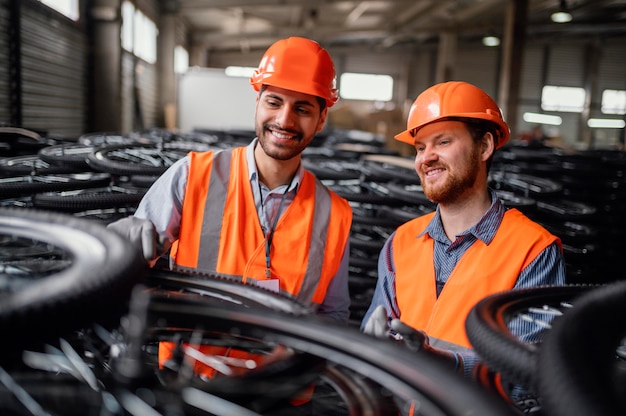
x=453, y=100
x=298, y=64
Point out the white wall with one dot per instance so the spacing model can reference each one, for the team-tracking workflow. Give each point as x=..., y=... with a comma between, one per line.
x=208, y=99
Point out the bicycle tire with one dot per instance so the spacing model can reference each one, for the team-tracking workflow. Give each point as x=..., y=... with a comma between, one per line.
x=331, y=169
x=578, y=370
x=89, y=199
x=246, y=293
x=141, y=158
x=67, y=154
x=387, y=168
x=102, y=267
x=408, y=375
x=487, y=328
x=525, y=184
x=30, y=165
x=32, y=184
x=410, y=194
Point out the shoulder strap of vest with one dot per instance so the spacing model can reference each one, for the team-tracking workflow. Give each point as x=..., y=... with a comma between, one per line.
x=218, y=189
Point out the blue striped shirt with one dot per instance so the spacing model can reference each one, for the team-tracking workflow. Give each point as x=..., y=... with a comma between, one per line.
x=547, y=269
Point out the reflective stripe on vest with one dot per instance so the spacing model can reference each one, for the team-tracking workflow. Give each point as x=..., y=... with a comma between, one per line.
x=209, y=247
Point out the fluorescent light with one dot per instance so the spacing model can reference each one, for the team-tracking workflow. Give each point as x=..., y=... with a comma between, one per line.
x=491, y=41
x=561, y=17
x=606, y=123
x=542, y=119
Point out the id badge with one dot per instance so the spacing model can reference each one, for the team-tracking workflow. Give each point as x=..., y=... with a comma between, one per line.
x=269, y=284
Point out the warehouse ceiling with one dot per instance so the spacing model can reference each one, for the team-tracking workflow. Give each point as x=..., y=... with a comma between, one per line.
x=243, y=25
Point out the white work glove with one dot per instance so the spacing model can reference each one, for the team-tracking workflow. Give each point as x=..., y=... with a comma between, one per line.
x=376, y=325
x=140, y=232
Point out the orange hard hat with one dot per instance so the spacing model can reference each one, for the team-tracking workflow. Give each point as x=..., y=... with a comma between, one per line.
x=298, y=64
x=453, y=100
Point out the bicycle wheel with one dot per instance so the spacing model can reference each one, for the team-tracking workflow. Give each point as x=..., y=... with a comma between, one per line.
x=581, y=370
x=141, y=159
x=28, y=185
x=67, y=154
x=30, y=165
x=53, y=265
x=203, y=284
x=406, y=376
x=90, y=199
x=487, y=327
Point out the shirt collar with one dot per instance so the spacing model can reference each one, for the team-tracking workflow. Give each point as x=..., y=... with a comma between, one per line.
x=484, y=230
x=253, y=172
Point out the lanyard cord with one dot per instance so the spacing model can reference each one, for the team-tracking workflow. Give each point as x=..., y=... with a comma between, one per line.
x=270, y=235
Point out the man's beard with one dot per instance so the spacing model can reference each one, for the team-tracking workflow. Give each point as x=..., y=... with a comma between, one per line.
x=277, y=151
x=455, y=185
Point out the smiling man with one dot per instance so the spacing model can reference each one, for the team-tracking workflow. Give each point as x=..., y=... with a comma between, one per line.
x=433, y=269
x=253, y=212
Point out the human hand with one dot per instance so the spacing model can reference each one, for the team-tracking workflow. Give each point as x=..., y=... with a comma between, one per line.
x=417, y=340
x=414, y=339
x=376, y=325
x=140, y=232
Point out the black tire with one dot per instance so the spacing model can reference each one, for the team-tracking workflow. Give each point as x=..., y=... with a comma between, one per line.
x=331, y=169
x=99, y=139
x=405, y=213
x=565, y=209
x=410, y=194
x=488, y=331
x=364, y=375
x=214, y=286
x=360, y=192
x=411, y=378
x=28, y=185
x=67, y=154
x=96, y=270
x=29, y=165
x=141, y=159
x=510, y=199
x=526, y=185
x=579, y=371
x=89, y=199
x=385, y=168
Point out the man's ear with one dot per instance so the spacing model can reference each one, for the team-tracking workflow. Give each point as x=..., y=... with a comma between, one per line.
x=322, y=122
x=488, y=145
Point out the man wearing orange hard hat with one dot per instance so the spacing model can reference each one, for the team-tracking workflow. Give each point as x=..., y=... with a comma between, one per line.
x=253, y=212
x=433, y=269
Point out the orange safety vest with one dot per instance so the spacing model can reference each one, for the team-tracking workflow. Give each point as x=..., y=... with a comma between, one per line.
x=483, y=270
x=220, y=232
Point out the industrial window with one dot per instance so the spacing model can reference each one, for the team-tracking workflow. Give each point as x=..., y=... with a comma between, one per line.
x=366, y=87
x=614, y=102
x=181, y=60
x=68, y=8
x=564, y=99
x=139, y=33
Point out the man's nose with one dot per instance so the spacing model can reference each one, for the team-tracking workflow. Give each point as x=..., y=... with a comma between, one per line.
x=286, y=117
